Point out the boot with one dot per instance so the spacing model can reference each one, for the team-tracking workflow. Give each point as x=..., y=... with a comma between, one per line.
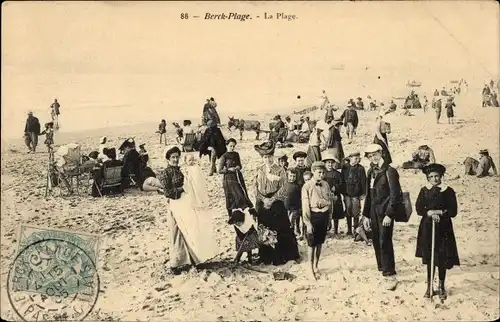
x=428, y=291
x=442, y=292
x=349, y=226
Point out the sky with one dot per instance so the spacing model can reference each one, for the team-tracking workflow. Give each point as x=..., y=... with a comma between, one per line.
x=125, y=53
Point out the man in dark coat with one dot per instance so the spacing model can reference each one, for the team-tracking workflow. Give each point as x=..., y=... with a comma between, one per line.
x=350, y=118
x=383, y=195
x=31, y=132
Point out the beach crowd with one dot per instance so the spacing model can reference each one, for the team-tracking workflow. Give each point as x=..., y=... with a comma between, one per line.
x=296, y=203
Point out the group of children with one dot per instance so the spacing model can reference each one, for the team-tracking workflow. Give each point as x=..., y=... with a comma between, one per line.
x=347, y=188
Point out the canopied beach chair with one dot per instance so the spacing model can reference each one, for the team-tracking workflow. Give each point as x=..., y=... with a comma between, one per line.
x=189, y=142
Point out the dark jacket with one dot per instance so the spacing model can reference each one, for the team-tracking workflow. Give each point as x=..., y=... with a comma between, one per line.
x=355, y=180
x=293, y=197
x=387, y=194
x=32, y=125
x=131, y=164
x=350, y=116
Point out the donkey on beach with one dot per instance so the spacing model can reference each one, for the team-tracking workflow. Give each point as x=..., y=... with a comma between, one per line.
x=244, y=125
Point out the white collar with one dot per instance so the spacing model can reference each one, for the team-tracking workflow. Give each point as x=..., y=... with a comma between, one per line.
x=442, y=186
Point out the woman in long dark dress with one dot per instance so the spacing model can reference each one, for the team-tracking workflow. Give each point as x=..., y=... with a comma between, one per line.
x=236, y=196
x=437, y=202
x=271, y=211
x=233, y=183
x=382, y=129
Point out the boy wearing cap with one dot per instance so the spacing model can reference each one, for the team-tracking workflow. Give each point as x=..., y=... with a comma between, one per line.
x=354, y=175
x=317, y=214
x=383, y=196
x=336, y=183
x=300, y=166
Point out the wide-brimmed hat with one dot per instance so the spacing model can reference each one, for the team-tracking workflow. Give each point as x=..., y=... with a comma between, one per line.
x=318, y=165
x=266, y=148
x=354, y=154
x=371, y=148
x=434, y=167
x=329, y=156
x=169, y=150
x=51, y=124
x=338, y=122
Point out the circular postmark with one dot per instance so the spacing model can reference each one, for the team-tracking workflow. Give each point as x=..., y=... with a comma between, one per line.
x=53, y=280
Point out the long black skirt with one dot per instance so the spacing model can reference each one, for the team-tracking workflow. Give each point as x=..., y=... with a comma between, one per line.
x=445, y=251
x=235, y=191
x=276, y=219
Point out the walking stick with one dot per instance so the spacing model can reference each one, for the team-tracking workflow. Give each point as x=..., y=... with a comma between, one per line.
x=433, y=245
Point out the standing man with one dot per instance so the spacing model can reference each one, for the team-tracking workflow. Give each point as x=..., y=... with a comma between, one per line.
x=383, y=195
x=350, y=118
x=213, y=142
x=31, y=132
x=55, y=113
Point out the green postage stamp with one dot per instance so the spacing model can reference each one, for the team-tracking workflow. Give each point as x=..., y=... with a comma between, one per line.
x=54, y=274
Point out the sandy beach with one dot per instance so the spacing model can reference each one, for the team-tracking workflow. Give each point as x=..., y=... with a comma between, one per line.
x=134, y=251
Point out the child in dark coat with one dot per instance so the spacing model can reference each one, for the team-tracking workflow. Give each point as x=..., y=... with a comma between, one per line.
x=354, y=175
x=337, y=186
x=293, y=201
x=437, y=202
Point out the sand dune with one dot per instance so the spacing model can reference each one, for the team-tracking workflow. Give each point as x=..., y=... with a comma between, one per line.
x=134, y=252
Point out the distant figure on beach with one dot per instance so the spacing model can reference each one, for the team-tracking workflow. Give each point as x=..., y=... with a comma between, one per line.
x=317, y=143
x=49, y=135
x=325, y=100
x=421, y=158
x=482, y=167
x=55, y=111
x=350, y=118
x=449, y=110
x=359, y=104
x=426, y=104
x=31, y=132
x=437, y=106
x=334, y=140
x=162, y=130
x=212, y=141
x=329, y=112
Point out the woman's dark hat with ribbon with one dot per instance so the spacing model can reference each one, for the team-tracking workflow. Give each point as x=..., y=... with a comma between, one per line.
x=266, y=148
x=434, y=167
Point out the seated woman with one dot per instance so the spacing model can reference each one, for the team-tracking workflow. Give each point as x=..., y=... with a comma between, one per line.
x=110, y=162
x=131, y=163
x=420, y=158
x=482, y=167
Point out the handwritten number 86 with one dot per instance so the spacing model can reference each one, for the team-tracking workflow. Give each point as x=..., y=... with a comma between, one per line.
x=184, y=16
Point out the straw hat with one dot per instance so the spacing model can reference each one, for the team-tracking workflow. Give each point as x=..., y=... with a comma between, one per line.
x=329, y=156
